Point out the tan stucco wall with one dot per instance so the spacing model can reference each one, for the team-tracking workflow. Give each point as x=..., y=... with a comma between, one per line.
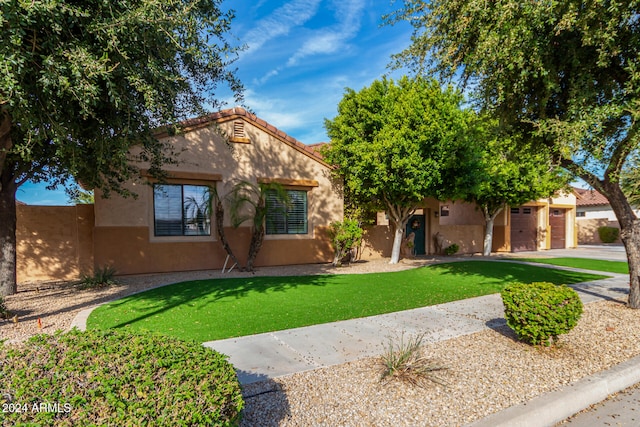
x=588, y=230
x=54, y=242
x=124, y=227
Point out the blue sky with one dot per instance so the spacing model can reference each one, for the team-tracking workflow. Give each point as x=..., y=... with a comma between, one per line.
x=300, y=56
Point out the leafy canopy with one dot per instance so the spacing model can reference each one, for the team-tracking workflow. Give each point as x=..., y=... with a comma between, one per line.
x=397, y=143
x=83, y=82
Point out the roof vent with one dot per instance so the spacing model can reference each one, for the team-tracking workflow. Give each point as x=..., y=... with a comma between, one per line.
x=239, y=134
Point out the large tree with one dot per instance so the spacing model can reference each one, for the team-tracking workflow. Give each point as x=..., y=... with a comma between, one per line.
x=83, y=82
x=565, y=73
x=511, y=175
x=395, y=144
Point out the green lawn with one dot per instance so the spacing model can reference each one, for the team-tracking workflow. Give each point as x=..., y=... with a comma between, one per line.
x=621, y=267
x=221, y=308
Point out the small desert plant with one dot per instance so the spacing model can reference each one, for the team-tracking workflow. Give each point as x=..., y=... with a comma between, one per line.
x=4, y=313
x=404, y=360
x=452, y=249
x=539, y=312
x=608, y=234
x=102, y=277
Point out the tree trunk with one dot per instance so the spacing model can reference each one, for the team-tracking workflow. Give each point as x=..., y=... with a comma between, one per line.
x=488, y=233
x=220, y=228
x=399, y=217
x=257, y=237
x=8, y=283
x=630, y=236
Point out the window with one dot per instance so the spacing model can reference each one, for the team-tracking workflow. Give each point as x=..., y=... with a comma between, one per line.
x=526, y=211
x=580, y=214
x=286, y=218
x=515, y=210
x=181, y=210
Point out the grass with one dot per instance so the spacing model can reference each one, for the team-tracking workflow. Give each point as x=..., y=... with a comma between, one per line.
x=222, y=308
x=621, y=267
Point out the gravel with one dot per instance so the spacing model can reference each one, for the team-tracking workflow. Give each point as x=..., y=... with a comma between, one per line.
x=486, y=371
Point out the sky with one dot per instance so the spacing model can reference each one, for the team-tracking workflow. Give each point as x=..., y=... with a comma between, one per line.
x=300, y=56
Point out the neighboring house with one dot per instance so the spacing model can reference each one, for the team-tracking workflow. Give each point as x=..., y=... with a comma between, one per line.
x=543, y=224
x=593, y=212
x=164, y=229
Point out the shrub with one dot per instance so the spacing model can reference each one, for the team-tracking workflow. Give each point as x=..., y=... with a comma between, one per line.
x=406, y=362
x=539, y=312
x=608, y=234
x=102, y=277
x=344, y=236
x=117, y=378
x=4, y=313
x=452, y=249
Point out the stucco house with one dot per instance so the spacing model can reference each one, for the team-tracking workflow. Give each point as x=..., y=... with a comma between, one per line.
x=162, y=231
x=537, y=225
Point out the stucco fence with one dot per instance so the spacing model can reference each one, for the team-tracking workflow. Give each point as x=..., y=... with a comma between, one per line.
x=588, y=230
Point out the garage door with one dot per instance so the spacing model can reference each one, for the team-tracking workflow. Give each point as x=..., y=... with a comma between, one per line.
x=558, y=224
x=523, y=228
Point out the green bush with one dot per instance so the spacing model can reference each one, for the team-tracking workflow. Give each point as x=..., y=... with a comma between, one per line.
x=344, y=236
x=452, y=249
x=608, y=234
x=117, y=378
x=102, y=277
x=539, y=312
x=4, y=313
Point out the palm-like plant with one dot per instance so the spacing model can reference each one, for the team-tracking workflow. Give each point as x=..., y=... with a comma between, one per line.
x=247, y=202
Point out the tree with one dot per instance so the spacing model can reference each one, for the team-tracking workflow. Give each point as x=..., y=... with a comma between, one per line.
x=630, y=179
x=83, y=83
x=79, y=196
x=345, y=235
x=566, y=74
x=511, y=175
x=248, y=202
x=396, y=144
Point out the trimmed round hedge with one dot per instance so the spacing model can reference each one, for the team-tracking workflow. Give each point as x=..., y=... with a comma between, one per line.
x=116, y=378
x=538, y=312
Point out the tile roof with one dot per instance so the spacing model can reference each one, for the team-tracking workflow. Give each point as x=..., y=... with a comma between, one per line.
x=589, y=197
x=237, y=112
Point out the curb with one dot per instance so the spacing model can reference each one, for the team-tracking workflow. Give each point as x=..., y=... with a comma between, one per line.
x=551, y=408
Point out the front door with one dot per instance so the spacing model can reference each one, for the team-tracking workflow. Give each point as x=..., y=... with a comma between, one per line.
x=558, y=225
x=416, y=225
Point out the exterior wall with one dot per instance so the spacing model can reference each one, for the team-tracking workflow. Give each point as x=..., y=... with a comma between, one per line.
x=54, y=242
x=588, y=230
x=124, y=232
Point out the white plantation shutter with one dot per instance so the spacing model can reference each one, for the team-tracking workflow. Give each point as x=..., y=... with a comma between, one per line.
x=288, y=218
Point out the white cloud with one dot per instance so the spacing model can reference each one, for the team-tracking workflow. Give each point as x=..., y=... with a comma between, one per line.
x=332, y=39
x=280, y=22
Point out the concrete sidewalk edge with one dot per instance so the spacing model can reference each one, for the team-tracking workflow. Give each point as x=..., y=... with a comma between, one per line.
x=551, y=408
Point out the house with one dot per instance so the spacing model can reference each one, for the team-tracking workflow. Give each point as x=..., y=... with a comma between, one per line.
x=593, y=212
x=165, y=228
x=538, y=225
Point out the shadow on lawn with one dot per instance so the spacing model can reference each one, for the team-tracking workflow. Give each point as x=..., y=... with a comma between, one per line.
x=165, y=298
x=508, y=272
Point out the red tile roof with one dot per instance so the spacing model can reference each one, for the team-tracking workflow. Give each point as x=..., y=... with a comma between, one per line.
x=589, y=197
x=237, y=112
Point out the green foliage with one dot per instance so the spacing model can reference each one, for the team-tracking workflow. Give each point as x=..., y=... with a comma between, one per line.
x=405, y=361
x=118, y=378
x=452, y=249
x=344, y=236
x=394, y=144
x=79, y=196
x=102, y=277
x=539, y=312
x=630, y=179
x=564, y=75
x=608, y=234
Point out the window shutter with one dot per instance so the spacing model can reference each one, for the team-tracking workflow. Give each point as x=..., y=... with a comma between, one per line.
x=168, y=210
x=297, y=213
